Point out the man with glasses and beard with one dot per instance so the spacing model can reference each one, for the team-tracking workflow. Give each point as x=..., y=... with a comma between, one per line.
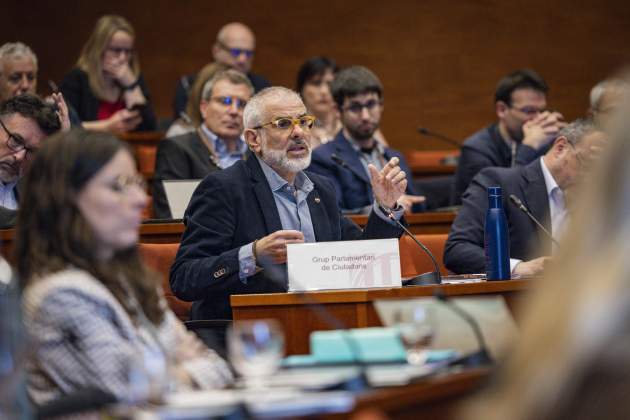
x=240, y=219
x=25, y=120
x=358, y=95
x=524, y=130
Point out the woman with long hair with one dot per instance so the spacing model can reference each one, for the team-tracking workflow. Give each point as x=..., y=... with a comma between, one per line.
x=106, y=87
x=94, y=312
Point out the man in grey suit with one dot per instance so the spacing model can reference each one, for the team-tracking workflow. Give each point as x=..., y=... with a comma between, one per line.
x=216, y=144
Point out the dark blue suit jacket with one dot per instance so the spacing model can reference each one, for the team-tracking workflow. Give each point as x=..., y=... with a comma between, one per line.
x=232, y=208
x=464, y=251
x=486, y=148
x=353, y=187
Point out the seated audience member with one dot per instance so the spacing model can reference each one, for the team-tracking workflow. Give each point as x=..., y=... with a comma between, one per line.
x=18, y=75
x=572, y=359
x=217, y=142
x=91, y=308
x=106, y=87
x=25, y=121
x=234, y=47
x=358, y=95
x=545, y=187
x=313, y=84
x=522, y=133
x=606, y=98
x=243, y=217
x=189, y=120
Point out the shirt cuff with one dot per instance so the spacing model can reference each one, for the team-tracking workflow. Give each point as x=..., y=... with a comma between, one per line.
x=398, y=212
x=513, y=263
x=246, y=262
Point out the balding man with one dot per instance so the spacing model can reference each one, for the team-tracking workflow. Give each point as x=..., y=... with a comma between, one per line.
x=18, y=70
x=242, y=218
x=235, y=47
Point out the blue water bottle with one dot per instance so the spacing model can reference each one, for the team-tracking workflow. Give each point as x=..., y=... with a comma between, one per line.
x=496, y=238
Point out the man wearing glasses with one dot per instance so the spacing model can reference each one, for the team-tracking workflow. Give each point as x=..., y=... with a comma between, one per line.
x=216, y=144
x=25, y=120
x=235, y=47
x=240, y=220
x=545, y=186
x=358, y=95
x=523, y=132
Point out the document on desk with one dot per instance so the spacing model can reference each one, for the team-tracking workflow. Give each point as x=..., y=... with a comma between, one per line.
x=344, y=265
x=451, y=331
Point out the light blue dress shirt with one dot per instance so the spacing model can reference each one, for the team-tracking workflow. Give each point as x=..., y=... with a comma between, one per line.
x=225, y=158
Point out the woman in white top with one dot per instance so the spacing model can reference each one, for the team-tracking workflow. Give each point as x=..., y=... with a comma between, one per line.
x=95, y=313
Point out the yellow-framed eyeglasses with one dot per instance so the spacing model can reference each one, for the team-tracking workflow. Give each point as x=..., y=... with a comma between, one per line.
x=305, y=122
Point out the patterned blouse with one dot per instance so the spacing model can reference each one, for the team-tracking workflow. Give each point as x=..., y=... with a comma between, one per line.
x=81, y=337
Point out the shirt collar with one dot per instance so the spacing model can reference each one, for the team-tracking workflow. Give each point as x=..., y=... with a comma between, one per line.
x=276, y=182
x=550, y=183
x=218, y=144
x=377, y=145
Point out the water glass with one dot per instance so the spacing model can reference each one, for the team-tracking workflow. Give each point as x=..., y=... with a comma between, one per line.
x=255, y=349
x=417, y=328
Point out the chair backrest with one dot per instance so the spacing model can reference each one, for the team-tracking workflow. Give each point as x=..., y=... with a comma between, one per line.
x=160, y=257
x=414, y=261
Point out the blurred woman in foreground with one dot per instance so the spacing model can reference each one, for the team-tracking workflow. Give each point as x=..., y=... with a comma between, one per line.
x=573, y=358
x=95, y=314
x=106, y=88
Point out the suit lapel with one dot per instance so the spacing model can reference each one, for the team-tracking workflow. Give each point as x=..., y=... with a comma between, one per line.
x=319, y=218
x=350, y=156
x=201, y=149
x=535, y=193
x=263, y=195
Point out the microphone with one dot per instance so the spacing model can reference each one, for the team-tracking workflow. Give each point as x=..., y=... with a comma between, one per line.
x=339, y=161
x=433, y=277
x=518, y=203
x=426, y=132
x=479, y=358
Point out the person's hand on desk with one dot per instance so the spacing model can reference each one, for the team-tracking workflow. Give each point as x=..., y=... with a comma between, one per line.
x=532, y=267
x=388, y=184
x=274, y=247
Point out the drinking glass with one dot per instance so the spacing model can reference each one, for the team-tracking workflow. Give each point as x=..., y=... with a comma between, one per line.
x=256, y=349
x=417, y=328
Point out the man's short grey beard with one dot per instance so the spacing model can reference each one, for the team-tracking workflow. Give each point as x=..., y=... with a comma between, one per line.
x=279, y=159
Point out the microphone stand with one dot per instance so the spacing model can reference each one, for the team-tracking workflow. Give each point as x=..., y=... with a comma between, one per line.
x=518, y=203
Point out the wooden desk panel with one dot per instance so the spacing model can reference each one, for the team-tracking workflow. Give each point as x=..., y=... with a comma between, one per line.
x=352, y=308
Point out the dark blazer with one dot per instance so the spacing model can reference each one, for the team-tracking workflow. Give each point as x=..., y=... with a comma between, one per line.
x=7, y=218
x=352, y=186
x=77, y=92
x=185, y=83
x=181, y=157
x=486, y=148
x=232, y=208
x=464, y=251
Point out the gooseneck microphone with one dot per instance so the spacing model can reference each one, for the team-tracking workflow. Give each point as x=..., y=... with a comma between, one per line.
x=433, y=277
x=518, y=203
x=426, y=132
x=479, y=358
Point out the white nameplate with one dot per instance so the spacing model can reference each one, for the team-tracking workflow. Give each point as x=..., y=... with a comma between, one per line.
x=344, y=265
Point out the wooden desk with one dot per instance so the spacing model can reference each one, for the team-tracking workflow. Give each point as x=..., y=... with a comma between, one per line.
x=433, y=222
x=354, y=308
x=428, y=163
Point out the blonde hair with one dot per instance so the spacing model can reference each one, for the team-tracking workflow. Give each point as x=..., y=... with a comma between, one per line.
x=91, y=58
x=205, y=74
x=580, y=312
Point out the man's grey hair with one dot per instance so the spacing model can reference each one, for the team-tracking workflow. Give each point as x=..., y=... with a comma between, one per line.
x=575, y=131
x=598, y=91
x=16, y=50
x=254, y=112
x=233, y=76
